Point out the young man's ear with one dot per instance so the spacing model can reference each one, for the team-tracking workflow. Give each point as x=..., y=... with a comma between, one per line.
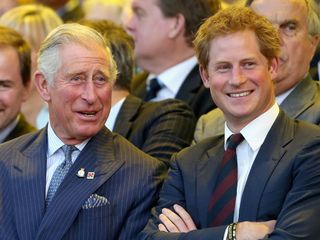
x=204, y=76
x=273, y=67
x=42, y=85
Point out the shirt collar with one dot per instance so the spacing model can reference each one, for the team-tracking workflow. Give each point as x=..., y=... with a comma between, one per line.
x=8, y=129
x=114, y=114
x=256, y=131
x=55, y=143
x=173, y=77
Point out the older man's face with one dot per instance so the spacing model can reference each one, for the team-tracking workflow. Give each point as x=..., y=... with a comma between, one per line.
x=79, y=98
x=298, y=47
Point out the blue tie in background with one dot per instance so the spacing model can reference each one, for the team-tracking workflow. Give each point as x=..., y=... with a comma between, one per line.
x=153, y=89
x=60, y=172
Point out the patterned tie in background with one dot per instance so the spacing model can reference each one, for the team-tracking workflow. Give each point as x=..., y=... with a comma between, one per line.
x=222, y=203
x=60, y=172
x=153, y=89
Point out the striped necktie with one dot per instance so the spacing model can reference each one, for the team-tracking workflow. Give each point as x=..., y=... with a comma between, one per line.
x=60, y=172
x=222, y=203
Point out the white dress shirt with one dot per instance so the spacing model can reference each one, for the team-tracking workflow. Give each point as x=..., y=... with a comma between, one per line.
x=114, y=111
x=55, y=154
x=254, y=135
x=172, y=79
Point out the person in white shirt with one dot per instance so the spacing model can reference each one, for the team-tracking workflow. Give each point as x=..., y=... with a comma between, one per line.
x=163, y=31
x=296, y=92
x=261, y=178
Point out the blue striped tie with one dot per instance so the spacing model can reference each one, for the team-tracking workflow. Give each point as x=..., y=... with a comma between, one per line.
x=60, y=172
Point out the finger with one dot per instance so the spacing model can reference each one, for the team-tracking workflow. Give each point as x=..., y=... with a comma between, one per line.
x=162, y=228
x=168, y=224
x=175, y=219
x=185, y=216
x=271, y=224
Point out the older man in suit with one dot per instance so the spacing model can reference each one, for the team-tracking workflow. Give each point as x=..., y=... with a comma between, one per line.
x=296, y=93
x=163, y=31
x=15, y=60
x=74, y=179
x=261, y=179
x=157, y=128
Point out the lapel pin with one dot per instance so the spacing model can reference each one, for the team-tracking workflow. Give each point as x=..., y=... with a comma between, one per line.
x=90, y=175
x=81, y=173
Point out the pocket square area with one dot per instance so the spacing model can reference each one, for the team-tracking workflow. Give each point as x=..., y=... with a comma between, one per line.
x=94, y=201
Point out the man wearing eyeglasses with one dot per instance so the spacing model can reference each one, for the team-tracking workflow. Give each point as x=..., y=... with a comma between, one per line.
x=296, y=93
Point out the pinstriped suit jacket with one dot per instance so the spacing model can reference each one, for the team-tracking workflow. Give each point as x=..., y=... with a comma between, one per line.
x=127, y=177
x=157, y=128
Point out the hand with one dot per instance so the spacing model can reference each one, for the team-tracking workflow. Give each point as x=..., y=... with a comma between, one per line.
x=178, y=221
x=254, y=230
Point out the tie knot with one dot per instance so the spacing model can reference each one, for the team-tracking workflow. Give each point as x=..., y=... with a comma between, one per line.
x=68, y=150
x=153, y=88
x=235, y=140
x=154, y=85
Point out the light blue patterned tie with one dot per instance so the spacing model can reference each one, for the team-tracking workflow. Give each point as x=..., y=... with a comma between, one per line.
x=60, y=172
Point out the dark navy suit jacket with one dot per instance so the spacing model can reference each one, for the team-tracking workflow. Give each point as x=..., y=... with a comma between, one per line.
x=127, y=177
x=157, y=128
x=283, y=184
x=192, y=91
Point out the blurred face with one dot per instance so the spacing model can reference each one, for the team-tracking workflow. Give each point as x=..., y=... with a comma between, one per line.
x=149, y=29
x=12, y=91
x=80, y=96
x=298, y=47
x=239, y=78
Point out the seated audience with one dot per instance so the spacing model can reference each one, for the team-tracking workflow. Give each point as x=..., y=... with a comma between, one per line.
x=297, y=94
x=75, y=179
x=260, y=180
x=163, y=31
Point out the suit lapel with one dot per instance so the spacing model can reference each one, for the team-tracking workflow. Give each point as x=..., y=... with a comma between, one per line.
x=190, y=86
x=207, y=173
x=98, y=157
x=301, y=98
x=271, y=152
x=127, y=114
x=28, y=188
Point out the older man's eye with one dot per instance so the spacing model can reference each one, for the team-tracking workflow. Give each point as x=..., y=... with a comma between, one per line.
x=100, y=79
x=77, y=78
x=289, y=29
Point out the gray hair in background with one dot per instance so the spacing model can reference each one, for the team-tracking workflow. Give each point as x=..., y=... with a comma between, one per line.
x=70, y=33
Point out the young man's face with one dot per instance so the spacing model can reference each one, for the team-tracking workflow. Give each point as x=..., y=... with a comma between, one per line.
x=239, y=77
